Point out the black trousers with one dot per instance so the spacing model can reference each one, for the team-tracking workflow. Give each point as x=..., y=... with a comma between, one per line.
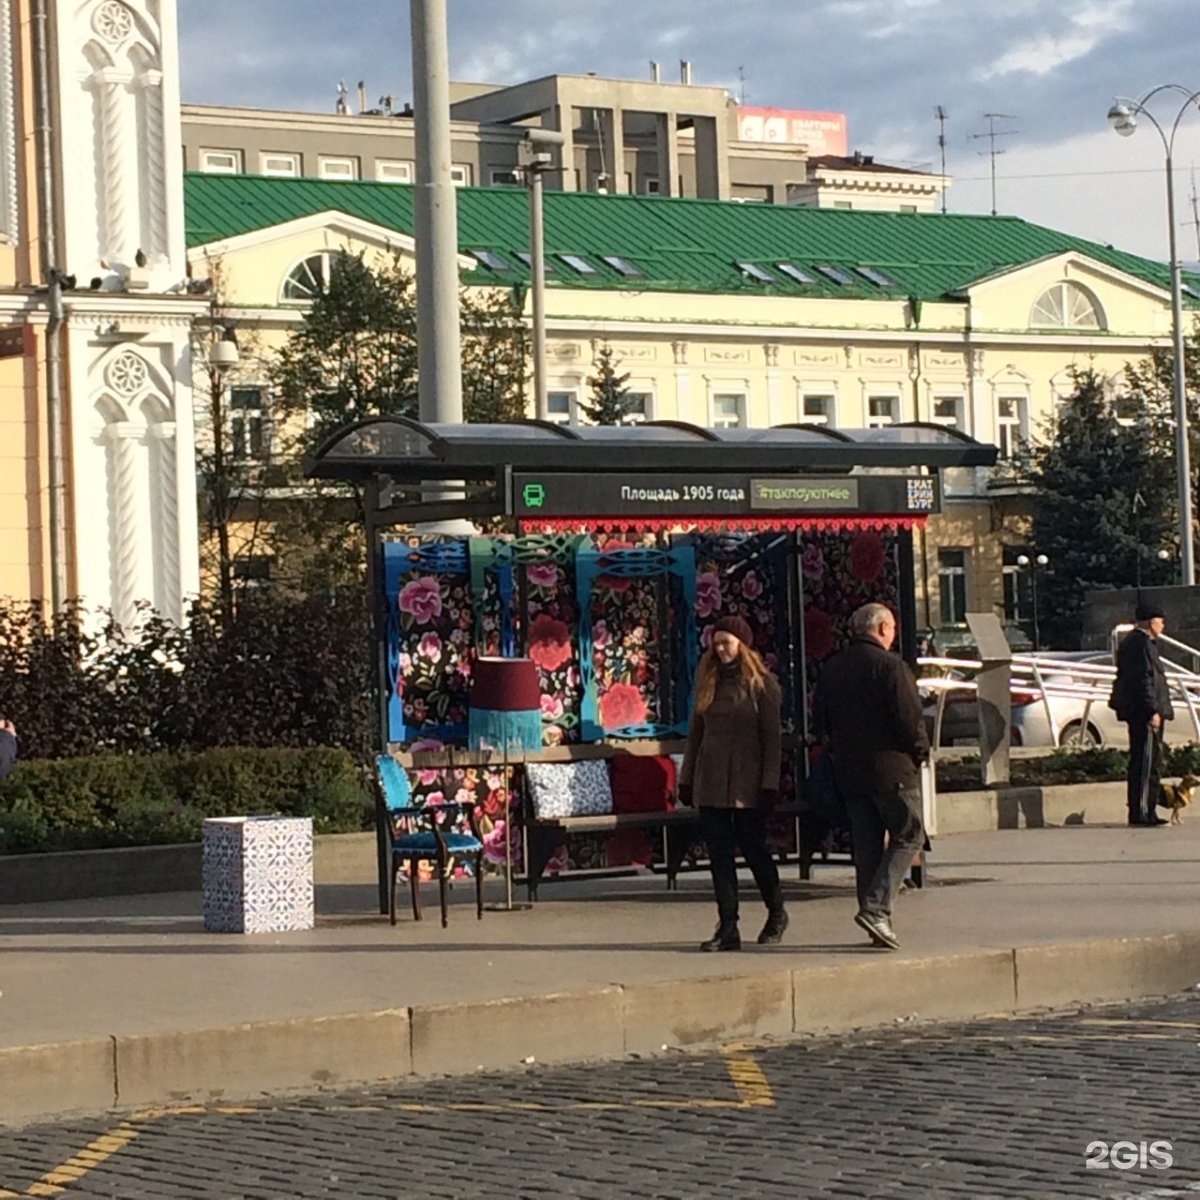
x=724, y=831
x=875, y=817
x=1145, y=762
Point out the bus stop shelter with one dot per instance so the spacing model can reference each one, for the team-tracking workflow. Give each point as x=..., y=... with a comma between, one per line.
x=606, y=553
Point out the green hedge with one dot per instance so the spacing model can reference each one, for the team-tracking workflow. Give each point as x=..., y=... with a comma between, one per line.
x=1066, y=766
x=155, y=799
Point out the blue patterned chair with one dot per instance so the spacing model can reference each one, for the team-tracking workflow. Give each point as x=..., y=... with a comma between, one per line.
x=417, y=832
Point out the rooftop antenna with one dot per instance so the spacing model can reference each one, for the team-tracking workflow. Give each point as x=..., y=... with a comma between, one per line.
x=362, y=96
x=343, y=109
x=942, y=117
x=742, y=85
x=992, y=134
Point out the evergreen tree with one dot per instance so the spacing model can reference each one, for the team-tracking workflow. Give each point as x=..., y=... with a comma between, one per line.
x=1149, y=391
x=1101, y=510
x=495, y=356
x=354, y=355
x=610, y=399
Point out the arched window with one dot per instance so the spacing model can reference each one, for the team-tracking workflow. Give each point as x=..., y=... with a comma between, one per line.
x=307, y=279
x=1066, y=306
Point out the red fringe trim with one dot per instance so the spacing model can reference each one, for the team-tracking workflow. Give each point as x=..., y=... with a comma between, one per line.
x=887, y=524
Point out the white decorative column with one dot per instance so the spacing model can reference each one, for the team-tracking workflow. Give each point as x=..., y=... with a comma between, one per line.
x=683, y=385
x=8, y=128
x=112, y=96
x=167, y=592
x=123, y=517
x=148, y=87
x=774, y=385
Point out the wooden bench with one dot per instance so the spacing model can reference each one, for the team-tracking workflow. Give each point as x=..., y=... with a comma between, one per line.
x=679, y=826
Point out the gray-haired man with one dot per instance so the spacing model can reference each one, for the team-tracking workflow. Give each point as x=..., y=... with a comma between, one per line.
x=867, y=708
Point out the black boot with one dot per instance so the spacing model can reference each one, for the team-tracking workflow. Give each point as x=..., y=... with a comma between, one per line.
x=772, y=931
x=725, y=937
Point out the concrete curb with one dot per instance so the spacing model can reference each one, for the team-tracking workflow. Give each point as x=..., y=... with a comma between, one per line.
x=246, y=1061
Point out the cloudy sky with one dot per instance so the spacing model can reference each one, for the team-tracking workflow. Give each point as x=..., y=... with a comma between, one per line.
x=1052, y=66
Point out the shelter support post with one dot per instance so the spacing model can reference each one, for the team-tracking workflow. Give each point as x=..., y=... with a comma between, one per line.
x=995, y=700
x=378, y=634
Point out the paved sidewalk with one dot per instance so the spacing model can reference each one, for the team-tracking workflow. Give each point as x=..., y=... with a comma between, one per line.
x=106, y=969
x=143, y=964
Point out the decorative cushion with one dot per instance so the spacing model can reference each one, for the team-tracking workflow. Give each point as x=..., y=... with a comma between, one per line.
x=426, y=843
x=577, y=789
x=642, y=783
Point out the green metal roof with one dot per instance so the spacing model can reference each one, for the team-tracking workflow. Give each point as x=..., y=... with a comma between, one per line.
x=678, y=245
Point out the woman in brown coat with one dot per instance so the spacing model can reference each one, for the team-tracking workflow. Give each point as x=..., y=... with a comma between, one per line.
x=731, y=773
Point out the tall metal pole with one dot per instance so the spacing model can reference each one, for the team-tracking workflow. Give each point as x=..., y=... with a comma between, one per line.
x=48, y=220
x=1037, y=629
x=537, y=254
x=1182, y=430
x=1123, y=118
x=435, y=219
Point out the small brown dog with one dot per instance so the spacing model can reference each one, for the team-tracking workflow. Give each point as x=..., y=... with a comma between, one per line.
x=1177, y=796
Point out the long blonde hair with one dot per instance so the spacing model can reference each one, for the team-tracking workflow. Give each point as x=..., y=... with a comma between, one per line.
x=754, y=675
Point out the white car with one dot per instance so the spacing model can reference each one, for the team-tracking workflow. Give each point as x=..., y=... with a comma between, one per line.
x=1060, y=718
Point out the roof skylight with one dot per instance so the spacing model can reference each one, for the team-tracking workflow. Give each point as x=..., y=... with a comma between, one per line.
x=623, y=266
x=527, y=259
x=754, y=271
x=794, y=272
x=844, y=278
x=576, y=263
x=491, y=260
x=876, y=276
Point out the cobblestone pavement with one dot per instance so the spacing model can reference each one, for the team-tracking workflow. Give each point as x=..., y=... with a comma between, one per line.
x=994, y=1108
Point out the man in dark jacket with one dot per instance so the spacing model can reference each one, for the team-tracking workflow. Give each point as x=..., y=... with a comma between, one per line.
x=868, y=709
x=8, y=747
x=1141, y=698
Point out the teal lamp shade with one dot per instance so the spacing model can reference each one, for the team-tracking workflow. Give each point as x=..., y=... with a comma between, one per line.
x=506, y=705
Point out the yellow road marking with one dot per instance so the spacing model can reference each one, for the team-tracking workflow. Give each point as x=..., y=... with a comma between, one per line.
x=55, y=1182
x=747, y=1076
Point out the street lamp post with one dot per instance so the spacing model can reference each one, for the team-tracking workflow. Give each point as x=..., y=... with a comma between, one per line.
x=536, y=160
x=1033, y=565
x=1123, y=118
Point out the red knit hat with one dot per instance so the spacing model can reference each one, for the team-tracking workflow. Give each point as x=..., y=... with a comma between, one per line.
x=738, y=626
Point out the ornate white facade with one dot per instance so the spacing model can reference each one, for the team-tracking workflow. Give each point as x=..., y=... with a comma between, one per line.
x=129, y=321
x=8, y=138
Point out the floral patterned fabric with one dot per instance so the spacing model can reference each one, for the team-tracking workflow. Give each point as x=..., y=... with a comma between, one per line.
x=552, y=617
x=842, y=571
x=529, y=595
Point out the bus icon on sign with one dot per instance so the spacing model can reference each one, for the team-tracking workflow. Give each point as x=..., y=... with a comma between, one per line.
x=533, y=495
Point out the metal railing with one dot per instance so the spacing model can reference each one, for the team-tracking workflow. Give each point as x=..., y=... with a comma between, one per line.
x=1045, y=679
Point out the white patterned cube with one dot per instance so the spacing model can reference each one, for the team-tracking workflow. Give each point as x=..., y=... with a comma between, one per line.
x=258, y=874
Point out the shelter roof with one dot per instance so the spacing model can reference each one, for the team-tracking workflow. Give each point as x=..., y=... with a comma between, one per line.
x=676, y=244
x=409, y=451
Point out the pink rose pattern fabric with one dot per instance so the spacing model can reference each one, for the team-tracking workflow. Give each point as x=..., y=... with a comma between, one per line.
x=625, y=642
x=839, y=572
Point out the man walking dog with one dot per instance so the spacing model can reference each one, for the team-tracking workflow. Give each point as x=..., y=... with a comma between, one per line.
x=1141, y=697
